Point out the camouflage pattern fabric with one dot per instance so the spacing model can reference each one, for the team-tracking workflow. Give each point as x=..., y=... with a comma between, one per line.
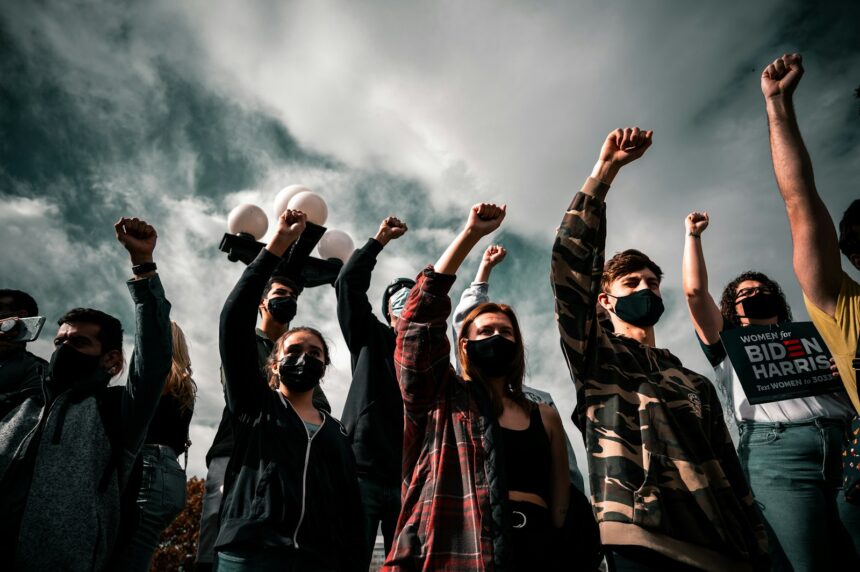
x=663, y=472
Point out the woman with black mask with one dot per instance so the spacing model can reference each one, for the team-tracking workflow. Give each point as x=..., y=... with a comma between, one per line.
x=790, y=449
x=485, y=470
x=291, y=498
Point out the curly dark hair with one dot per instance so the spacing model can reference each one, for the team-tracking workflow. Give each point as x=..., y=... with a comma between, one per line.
x=727, y=302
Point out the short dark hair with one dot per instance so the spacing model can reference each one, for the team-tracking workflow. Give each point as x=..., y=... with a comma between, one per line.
x=21, y=301
x=849, y=230
x=623, y=263
x=285, y=280
x=728, y=305
x=110, y=329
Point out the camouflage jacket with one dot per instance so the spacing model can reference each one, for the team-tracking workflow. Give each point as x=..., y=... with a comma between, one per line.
x=663, y=472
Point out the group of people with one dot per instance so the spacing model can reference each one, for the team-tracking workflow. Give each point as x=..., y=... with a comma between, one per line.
x=441, y=443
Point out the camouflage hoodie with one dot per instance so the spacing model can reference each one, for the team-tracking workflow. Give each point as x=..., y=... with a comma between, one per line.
x=663, y=472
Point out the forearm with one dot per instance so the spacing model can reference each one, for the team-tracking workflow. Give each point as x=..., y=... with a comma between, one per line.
x=354, y=312
x=791, y=162
x=693, y=270
x=483, y=273
x=152, y=357
x=456, y=252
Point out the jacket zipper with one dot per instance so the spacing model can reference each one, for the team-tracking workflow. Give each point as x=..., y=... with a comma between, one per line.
x=305, y=469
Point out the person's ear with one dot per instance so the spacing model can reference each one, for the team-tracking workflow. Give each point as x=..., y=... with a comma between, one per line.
x=112, y=362
x=603, y=300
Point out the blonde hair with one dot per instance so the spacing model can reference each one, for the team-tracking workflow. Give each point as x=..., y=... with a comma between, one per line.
x=180, y=384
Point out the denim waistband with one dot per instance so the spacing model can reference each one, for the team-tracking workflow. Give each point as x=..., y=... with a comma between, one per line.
x=819, y=422
x=158, y=450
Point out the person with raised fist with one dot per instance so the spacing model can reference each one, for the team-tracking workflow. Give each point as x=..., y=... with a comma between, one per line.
x=67, y=452
x=485, y=483
x=373, y=412
x=668, y=489
x=784, y=444
x=832, y=297
x=291, y=498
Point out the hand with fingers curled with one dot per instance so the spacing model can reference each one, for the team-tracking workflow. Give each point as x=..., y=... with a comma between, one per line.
x=781, y=77
x=391, y=228
x=484, y=218
x=137, y=237
x=624, y=146
x=291, y=225
x=696, y=223
x=493, y=255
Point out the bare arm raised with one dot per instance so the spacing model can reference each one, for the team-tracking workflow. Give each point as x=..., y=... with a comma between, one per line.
x=816, y=247
x=704, y=312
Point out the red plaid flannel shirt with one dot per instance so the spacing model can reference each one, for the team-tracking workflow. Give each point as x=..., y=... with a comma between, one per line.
x=446, y=522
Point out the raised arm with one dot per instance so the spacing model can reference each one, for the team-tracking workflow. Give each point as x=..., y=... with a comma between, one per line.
x=354, y=312
x=816, y=247
x=484, y=218
x=478, y=291
x=578, y=251
x=153, y=348
x=704, y=312
x=244, y=384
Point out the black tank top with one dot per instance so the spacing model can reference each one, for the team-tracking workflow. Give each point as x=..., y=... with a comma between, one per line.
x=528, y=457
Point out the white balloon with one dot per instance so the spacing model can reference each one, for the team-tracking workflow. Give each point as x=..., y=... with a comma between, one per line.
x=282, y=199
x=312, y=205
x=249, y=219
x=336, y=244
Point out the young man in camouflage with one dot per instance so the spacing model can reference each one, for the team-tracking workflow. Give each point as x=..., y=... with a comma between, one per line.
x=667, y=487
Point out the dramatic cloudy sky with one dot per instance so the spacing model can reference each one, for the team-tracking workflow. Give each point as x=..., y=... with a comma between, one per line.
x=178, y=111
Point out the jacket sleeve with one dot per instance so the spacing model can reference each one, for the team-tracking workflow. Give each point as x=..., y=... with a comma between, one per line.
x=725, y=451
x=354, y=312
x=577, y=266
x=421, y=357
x=244, y=383
x=477, y=293
x=150, y=361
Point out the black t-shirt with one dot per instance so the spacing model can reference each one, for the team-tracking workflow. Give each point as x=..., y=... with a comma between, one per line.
x=170, y=424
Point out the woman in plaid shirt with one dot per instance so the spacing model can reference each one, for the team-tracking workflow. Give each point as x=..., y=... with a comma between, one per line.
x=485, y=480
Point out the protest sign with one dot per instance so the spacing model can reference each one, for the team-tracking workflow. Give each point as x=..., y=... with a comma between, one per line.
x=784, y=361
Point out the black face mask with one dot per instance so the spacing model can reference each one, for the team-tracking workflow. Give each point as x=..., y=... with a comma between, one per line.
x=641, y=309
x=760, y=306
x=492, y=356
x=68, y=366
x=300, y=372
x=283, y=310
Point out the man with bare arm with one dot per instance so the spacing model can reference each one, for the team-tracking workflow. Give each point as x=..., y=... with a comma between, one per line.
x=832, y=297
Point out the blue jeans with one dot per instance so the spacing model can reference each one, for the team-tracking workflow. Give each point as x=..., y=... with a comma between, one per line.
x=211, y=510
x=161, y=498
x=795, y=472
x=381, y=503
x=267, y=560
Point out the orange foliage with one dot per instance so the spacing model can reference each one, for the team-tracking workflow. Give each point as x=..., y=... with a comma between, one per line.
x=178, y=545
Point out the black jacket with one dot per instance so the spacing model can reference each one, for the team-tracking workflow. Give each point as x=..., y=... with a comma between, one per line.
x=373, y=413
x=282, y=488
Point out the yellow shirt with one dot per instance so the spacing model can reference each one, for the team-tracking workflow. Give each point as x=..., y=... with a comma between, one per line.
x=841, y=331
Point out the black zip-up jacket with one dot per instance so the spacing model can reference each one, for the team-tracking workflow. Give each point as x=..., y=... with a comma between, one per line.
x=373, y=413
x=282, y=488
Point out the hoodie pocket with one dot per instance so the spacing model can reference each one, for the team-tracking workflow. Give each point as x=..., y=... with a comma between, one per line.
x=263, y=491
x=679, y=500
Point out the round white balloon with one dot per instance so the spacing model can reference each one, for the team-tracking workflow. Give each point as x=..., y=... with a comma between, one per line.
x=282, y=199
x=312, y=205
x=336, y=244
x=248, y=218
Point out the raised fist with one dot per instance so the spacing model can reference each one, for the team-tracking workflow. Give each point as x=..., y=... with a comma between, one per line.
x=390, y=229
x=696, y=223
x=484, y=218
x=623, y=146
x=494, y=254
x=291, y=224
x=137, y=237
x=782, y=76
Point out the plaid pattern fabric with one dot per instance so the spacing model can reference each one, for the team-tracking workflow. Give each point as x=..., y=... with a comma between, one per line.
x=452, y=506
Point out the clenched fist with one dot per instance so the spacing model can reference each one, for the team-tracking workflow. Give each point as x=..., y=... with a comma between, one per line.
x=696, y=223
x=137, y=237
x=494, y=254
x=780, y=78
x=484, y=218
x=391, y=228
x=624, y=146
x=291, y=224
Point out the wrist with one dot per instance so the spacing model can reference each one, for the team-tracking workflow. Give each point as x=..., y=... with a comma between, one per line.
x=779, y=103
x=692, y=234
x=605, y=171
x=471, y=235
x=382, y=238
x=138, y=258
